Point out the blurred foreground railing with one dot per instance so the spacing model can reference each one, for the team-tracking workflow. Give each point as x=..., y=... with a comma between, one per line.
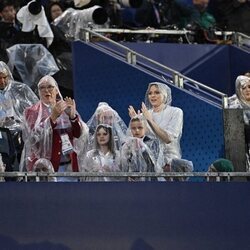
x=170, y=176
x=165, y=73
x=237, y=38
x=242, y=40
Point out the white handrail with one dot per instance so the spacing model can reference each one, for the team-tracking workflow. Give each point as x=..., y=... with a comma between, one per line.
x=242, y=40
x=145, y=31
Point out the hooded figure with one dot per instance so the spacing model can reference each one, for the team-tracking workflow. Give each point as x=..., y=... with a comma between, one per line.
x=53, y=130
x=165, y=121
x=44, y=166
x=104, y=114
x=32, y=61
x=14, y=98
x=221, y=165
x=241, y=99
x=141, y=148
x=137, y=157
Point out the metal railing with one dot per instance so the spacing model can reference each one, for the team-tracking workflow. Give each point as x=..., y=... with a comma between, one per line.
x=242, y=40
x=145, y=31
x=170, y=176
x=165, y=73
x=238, y=38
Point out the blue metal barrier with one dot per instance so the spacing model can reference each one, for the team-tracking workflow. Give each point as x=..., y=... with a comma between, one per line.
x=125, y=216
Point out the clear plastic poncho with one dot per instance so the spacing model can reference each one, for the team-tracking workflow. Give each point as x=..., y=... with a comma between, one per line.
x=148, y=138
x=238, y=100
x=38, y=132
x=104, y=114
x=137, y=157
x=14, y=99
x=32, y=61
x=71, y=21
x=170, y=119
x=97, y=160
x=45, y=166
x=179, y=165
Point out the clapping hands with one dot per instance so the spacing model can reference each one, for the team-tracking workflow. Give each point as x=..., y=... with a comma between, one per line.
x=131, y=111
x=70, y=107
x=67, y=105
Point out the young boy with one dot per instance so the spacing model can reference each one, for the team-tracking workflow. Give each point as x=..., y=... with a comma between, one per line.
x=139, y=151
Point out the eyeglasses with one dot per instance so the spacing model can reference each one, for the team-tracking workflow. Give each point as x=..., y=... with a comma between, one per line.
x=49, y=88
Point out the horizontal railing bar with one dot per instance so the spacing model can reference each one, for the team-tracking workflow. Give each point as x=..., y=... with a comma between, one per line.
x=145, y=31
x=129, y=50
x=165, y=32
x=125, y=174
x=203, y=86
x=243, y=35
x=221, y=33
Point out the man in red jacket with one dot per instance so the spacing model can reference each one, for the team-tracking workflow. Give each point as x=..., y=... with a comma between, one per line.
x=53, y=129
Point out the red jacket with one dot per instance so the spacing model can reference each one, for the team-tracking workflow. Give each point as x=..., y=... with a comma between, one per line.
x=74, y=131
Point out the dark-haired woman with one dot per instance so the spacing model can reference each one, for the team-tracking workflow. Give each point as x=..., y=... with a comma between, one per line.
x=103, y=157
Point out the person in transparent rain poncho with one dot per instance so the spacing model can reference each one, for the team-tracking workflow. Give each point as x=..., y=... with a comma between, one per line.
x=103, y=157
x=104, y=114
x=241, y=100
x=165, y=121
x=178, y=165
x=44, y=166
x=14, y=98
x=32, y=62
x=53, y=130
x=140, y=150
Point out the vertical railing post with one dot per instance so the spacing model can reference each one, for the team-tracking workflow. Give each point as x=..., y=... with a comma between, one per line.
x=131, y=57
x=25, y=177
x=86, y=36
x=176, y=79
x=225, y=101
x=217, y=178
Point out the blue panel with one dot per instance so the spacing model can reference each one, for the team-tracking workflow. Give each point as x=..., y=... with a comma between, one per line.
x=203, y=137
x=100, y=77
x=213, y=70
x=125, y=216
x=214, y=65
x=176, y=56
x=208, y=63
